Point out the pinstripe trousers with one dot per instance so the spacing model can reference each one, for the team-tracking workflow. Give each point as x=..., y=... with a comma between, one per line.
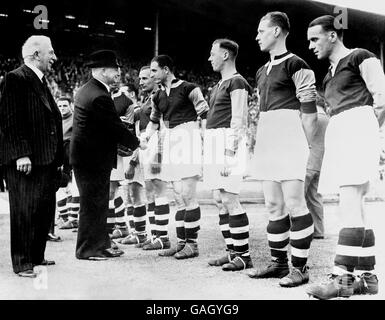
x=32, y=210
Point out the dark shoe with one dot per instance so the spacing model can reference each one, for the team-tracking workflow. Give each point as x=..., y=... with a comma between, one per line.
x=27, y=274
x=141, y=245
x=69, y=224
x=118, y=251
x=238, y=263
x=296, y=277
x=46, y=263
x=190, y=250
x=60, y=222
x=367, y=283
x=158, y=244
x=170, y=252
x=110, y=253
x=277, y=269
x=222, y=260
x=134, y=239
x=52, y=237
x=337, y=286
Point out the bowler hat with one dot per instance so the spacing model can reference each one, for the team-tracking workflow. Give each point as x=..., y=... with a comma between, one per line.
x=103, y=58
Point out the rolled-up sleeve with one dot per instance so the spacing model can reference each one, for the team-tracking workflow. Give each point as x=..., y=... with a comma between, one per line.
x=304, y=81
x=373, y=75
x=156, y=114
x=239, y=109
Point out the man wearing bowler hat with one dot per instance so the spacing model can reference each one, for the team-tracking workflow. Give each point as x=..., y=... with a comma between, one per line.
x=97, y=129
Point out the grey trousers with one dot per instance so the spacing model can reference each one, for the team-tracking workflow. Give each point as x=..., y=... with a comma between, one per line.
x=314, y=201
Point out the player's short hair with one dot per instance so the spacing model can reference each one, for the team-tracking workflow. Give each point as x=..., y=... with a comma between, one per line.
x=64, y=98
x=279, y=19
x=164, y=61
x=327, y=24
x=231, y=46
x=144, y=68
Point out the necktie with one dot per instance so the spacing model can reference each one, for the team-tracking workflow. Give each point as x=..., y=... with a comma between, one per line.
x=45, y=84
x=47, y=91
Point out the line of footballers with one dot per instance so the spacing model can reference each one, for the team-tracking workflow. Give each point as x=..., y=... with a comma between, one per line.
x=187, y=136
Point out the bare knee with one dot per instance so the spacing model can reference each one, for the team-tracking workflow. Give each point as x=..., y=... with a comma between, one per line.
x=179, y=200
x=113, y=188
x=275, y=207
x=189, y=198
x=226, y=200
x=160, y=188
x=137, y=194
x=150, y=191
x=231, y=203
x=217, y=199
x=296, y=205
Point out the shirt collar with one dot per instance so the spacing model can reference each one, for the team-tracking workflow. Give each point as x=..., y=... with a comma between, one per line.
x=280, y=56
x=175, y=83
x=38, y=72
x=107, y=87
x=334, y=66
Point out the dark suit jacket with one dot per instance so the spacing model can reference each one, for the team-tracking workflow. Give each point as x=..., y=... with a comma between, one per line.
x=97, y=129
x=30, y=121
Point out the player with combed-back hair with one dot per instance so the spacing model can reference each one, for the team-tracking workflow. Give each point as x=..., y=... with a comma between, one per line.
x=139, y=173
x=354, y=84
x=288, y=115
x=180, y=103
x=225, y=153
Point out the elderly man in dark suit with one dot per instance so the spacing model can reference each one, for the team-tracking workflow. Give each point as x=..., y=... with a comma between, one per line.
x=97, y=129
x=32, y=139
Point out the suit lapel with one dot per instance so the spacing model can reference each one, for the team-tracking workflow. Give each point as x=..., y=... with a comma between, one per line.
x=37, y=86
x=100, y=85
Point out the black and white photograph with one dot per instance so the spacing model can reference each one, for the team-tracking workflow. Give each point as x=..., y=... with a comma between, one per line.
x=206, y=152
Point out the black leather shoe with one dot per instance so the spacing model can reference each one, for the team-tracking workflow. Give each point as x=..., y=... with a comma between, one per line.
x=27, y=274
x=45, y=263
x=110, y=253
x=52, y=237
x=277, y=269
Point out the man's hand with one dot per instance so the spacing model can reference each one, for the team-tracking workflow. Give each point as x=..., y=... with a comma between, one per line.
x=24, y=165
x=202, y=133
x=157, y=164
x=230, y=162
x=380, y=116
x=130, y=172
x=226, y=171
x=143, y=142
